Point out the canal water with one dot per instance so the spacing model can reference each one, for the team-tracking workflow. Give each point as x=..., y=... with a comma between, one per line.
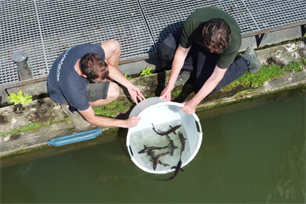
x=252, y=152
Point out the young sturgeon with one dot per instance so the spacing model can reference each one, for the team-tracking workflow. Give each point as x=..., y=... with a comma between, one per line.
x=177, y=169
x=156, y=159
x=183, y=141
x=172, y=129
x=147, y=149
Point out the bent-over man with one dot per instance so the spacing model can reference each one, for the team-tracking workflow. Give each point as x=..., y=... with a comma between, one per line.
x=83, y=77
x=207, y=45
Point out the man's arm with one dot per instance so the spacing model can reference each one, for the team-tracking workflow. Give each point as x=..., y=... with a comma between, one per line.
x=177, y=64
x=207, y=88
x=101, y=121
x=116, y=75
x=112, y=51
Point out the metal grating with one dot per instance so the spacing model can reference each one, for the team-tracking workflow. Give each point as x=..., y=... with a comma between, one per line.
x=251, y=15
x=44, y=29
x=167, y=16
x=19, y=31
x=274, y=13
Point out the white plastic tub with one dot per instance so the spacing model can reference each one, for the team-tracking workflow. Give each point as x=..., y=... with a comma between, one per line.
x=162, y=113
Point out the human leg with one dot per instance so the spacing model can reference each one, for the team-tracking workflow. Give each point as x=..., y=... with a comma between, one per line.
x=167, y=47
x=166, y=50
x=235, y=70
x=248, y=62
x=98, y=94
x=112, y=51
x=204, y=66
x=102, y=93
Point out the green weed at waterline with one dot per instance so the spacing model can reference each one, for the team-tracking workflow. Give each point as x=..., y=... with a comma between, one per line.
x=28, y=128
x=294, y=67
x=32, y=127
x=265, y=73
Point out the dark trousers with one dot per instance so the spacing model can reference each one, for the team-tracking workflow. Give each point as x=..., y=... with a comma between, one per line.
x=201, y=62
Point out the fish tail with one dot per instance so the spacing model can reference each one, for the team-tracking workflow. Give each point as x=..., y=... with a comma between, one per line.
x=167, y=179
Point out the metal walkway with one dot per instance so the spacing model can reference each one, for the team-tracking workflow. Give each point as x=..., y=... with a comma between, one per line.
x=44, y=29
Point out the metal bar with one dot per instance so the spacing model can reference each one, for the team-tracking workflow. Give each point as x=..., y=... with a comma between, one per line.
x=40, y=33
x=23, y=83
x=273, y=29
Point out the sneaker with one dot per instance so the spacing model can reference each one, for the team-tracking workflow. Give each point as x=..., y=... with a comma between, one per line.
x=76, y=117
x=251, y=56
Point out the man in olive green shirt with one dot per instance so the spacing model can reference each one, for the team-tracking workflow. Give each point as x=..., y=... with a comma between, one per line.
x=209, y=42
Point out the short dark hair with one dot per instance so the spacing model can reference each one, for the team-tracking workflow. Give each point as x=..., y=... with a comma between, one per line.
x=93, y=66
x=217, y=34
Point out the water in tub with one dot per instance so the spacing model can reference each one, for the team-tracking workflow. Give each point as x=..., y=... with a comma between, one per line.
x=147, y=137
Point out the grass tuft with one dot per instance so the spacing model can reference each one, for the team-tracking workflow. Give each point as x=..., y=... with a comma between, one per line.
x=110, y=110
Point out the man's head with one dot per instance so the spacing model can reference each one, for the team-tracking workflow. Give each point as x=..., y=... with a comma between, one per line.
x=94, y=67
x=217, y=35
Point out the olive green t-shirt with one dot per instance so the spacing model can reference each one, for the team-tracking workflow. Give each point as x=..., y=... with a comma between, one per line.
x=192, y=32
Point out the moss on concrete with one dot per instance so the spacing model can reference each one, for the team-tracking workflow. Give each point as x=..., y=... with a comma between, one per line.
x=267, y=72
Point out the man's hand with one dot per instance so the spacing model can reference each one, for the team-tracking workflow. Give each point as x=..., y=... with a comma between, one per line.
x=132, y=121
x=166, y=93
x=177, y=64
x=189, y=107
x=117, y=76
x=135, y=94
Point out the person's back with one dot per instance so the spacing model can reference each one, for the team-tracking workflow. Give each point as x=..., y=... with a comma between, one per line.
x=64, y=83
x=192, y=32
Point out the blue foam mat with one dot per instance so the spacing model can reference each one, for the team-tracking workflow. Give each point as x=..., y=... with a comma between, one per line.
x=73, y=138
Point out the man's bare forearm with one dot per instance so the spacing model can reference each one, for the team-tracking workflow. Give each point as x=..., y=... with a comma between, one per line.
x=102, y=121
x=108, y=122
x=209, y=85
x=177, y=64
x=116, y=75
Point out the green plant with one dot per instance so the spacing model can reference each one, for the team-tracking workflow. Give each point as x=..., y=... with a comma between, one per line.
x=19, y=98
x=304, y=61
x=146, y=71
x=126, y=76
x=32, y=127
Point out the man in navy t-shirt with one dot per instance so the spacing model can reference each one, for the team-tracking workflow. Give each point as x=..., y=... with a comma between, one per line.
x=79, y=80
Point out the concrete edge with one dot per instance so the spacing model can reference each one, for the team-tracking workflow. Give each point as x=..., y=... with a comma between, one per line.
x=285, y=82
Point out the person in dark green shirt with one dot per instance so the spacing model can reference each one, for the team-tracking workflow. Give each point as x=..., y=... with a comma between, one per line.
x=208, y=44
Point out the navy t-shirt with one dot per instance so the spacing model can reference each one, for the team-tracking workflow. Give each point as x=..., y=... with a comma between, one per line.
x=64, y=83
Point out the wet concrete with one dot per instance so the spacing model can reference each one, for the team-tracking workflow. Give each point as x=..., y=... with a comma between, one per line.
x=45, y=111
